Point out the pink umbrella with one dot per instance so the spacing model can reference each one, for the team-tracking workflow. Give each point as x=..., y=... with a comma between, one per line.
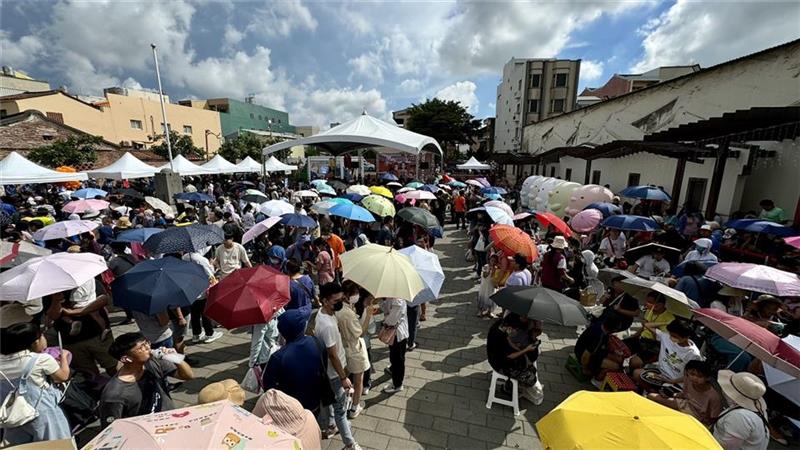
x=65, y=229
x=79, y=206
x=751, y=338
x=420, y=195
x=586, y=220
x=47, y=275
x=521, y=216
x=756, y=277
x=259, y=229
x=502, y=205
x=475, y=183
x=793, y=241
x=483, y=181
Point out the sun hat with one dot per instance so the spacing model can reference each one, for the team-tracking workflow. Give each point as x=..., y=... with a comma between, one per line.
x=74, y=216
x=744, y=389
x=123, y=222
x=729, y=233
x=559, y=242
x=728, y=291
x=706, y=227
x=289, y=415
x=703, y=242
x=766, y=298
x=222, y=390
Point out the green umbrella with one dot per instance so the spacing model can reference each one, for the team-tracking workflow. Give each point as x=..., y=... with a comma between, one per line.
x=419, y=217
x=540, y=303
x=414, y=185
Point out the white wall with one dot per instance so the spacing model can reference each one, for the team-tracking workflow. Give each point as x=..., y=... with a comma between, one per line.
x=775, y=178
x=506, y=108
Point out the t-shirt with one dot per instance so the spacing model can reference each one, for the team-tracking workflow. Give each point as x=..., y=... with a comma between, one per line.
x=705, y=406
x=460, y=204
x=300, y=293
x=672, y=357
x=664, y=318
x=151, y=328
x=741, y=429
x=230, y=259
x=148, y=395
x=648, y=266
x=519, y=278
x=337, y=248
x=12, y=366
x=775, y=215
x=119, y=264
x=83, y=295
x=327, y=330
x=617, y=244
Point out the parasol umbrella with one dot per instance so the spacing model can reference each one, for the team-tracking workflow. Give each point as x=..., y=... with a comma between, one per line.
x=677, y=271
x=457, y=184
x=89, y=193
x=499, y=215
x=475, y=183
x=155, y=285
x=494, y=190
x=497, y=197
x=404, y=190
x=337, y=184
x=380, y=190
x=189, y=188
x=547, y=219
x=419, y=216
x=276, y=208
x=511, y=240
x=502, y=205
x=298, y=220
x=762, y=226
x=430, y=188
x=630, y=223
x=793, y=241
x=420, y=195
x=608, y=209
x=244, y=183
x=128, y=192
x=248, y=296
x=586, y=220
x=65, y=229
x=445, y=187
x=401, y=199
x=378, y=205
x=318, y=182
x=197, y=197
x=49, y=274
x=677, y=302
x=80, y=206
x=5, y=218
x=620, y=420
x=254, y=196
x=472, y=215
x=521, y=216
x=305, y=194
x=190, y=238
x=483, y=181
x=323, y=207
x=352, y=212
x=394, y=184
x=605, y=275
x=137, y=234
x=645, y=193
x=781, y=382
x=752, y=338
x=259, y=229
x=414, y=185
x=389, y=177
x=326, y=190
x=671, y=254
x=359, y=189
x=756, y=277
x=382, y=271
x=157, y=203
x=15, y=253
x=353, y=197
x=536, y=302
x=208, y=426
x=429, y=269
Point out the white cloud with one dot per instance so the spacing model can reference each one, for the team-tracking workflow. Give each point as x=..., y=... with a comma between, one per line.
x=462, y=92
x=232, y=36
x=20, y=53
x=320, y=107
x=130, y=83
x=707, y=34
x=410, y=86
x=280, y=19
x=591, y=70
x=367, y=66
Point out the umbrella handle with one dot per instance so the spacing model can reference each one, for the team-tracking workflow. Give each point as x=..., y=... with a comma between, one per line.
x=734, y=360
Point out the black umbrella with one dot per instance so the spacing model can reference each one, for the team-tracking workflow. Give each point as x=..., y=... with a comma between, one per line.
x=190, y=238
x=155, y=285
x=337, y=184
x=127, y=192
x=543, y=304
x=419, y=216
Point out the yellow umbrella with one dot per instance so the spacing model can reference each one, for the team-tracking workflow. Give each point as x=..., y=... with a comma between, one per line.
x=378, y=205
x=382, y=271
x=620, y=420
x=380, y=190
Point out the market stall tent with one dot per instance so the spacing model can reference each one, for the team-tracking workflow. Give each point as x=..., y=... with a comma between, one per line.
x=184, y=167
x=273, y=165
x=218, y=164
x=127, y=166
x=16, y=169
x=248, y=165
x=474, y=164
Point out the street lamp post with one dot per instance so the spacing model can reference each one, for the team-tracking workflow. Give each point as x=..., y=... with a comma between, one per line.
x=213, y=134
x=163, y=107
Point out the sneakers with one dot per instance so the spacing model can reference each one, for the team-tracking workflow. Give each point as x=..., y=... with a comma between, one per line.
x=365, y=391
x=330, y=432
x=597, y=383
x=353, y=446
x=213, y=337
x=390, y=389
x=353, y=413
x=411, y=347
x=196, y=339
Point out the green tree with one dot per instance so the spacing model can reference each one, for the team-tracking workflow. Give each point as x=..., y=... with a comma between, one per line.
x=182, y=144
x=246, y=144
x=446, y=121
x=72, y=151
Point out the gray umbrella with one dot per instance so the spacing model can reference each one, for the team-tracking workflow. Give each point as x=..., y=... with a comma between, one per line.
x=543, y=304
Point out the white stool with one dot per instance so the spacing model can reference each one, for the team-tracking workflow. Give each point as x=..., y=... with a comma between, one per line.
x=514, y=402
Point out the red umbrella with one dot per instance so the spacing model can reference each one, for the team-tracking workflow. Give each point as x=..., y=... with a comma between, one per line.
x=751, y=338
x=511, y=240
x=249, y=296
x=548, y=218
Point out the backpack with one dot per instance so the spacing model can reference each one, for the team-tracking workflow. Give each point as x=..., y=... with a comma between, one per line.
x=15, y=410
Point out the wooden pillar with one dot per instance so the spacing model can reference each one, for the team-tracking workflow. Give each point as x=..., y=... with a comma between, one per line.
x=587, y=177
x=716, y=180
x=677, y=183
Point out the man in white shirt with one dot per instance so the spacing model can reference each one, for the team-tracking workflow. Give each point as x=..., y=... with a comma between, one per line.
x=202, y=327
x=614, y=244
x=743, y=425
x=230, y=256
x=651, y=265
x=326, y=329
x=521, y=275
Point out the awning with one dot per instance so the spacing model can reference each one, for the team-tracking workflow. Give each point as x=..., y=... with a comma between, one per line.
x=127, y=166
x=248, y=165
x=474, y=164
x=273, y=165
x=364, y=132
x=16, y=169
x=185, y=167
x=218, y=164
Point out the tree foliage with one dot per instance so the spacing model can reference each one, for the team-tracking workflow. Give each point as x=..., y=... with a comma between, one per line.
x=446, y=121
x=246, y=144
x=72, y=151
x=182, y=144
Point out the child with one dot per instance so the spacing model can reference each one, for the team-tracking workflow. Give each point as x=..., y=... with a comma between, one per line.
x=698, y=398
x=675, y=351
x=487, y=288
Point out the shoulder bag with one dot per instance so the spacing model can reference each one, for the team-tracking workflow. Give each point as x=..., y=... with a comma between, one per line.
x=15, y=410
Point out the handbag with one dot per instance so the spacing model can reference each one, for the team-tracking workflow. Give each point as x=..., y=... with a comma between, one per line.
x=252, y=381
x=387, y=334
x=15, y=410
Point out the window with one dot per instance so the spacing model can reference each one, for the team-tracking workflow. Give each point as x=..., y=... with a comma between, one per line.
x=519, y=85
x=252, y=116
x=533, y=106
x=560, y=80
x=536, y=80
x=260, y=117
x=568, y=174
x=595, y=177
x=187, y=129
x=55, y=117
x=553, y=171
x=558, y=105
x=163, y=131
x=136, y=124
x=633, y=179
x=517, y=108
x=3, y=112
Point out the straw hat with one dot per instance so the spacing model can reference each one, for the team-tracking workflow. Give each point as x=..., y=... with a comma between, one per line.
x=124, y=222
x=728, y=291
x=743, y=389
x=559, y=242
x=74, y=249
x=289, y=415
x=706, y=227
x=222, y=390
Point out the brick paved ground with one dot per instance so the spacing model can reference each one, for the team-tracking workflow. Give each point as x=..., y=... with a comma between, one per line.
x=447, y=376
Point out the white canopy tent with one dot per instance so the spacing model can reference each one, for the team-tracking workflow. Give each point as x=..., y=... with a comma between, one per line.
x=185, y=167
x=16, y=169
x=273, y=165
x=218, y=164
x=474, y=164
x=248, y=165
x=127, y=166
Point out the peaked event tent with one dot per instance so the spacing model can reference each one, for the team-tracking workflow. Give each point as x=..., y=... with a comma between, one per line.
x=218, y=164
x=363, y=132
x=126, y=167
x=16, y=169
x=273, y=165
x=185, y=167
x=248, y=165
x=474, y=164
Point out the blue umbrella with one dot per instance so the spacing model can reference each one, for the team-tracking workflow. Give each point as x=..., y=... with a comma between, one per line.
x=762, y=226
x=137, y=234
x=88, y=193
x=194, y=197
x=493, y=190
x=190, y=238
x=298, y=220
x=645, y=193
x=678, y=270
x=493, y=196
x=155, y=285
x=630, y=223
x=430, y=188
x=352, y=212
x=608, y=209
x=437, y=232
x=355, y=198
x=389, y=177
x=8, y=208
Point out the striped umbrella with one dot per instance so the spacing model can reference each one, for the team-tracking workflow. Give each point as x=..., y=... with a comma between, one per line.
x=511, y=240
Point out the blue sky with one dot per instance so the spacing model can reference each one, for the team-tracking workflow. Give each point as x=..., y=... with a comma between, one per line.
x=327, y=61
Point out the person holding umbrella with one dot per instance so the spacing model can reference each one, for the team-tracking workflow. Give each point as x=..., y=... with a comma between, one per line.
x=650, y=265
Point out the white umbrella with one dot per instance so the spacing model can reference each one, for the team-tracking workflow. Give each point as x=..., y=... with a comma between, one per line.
x=499, y=216
x=677, y=302
x=49, y=274
x=780, y=381
x=65, y=229
x=259, y=229
x=15, y=253
x=157, y=203
x=420, y=195
x=502, y=205
x=359, y=189
x=323, y=207
x=276, y=208
x=404, y=190
x=429, y=269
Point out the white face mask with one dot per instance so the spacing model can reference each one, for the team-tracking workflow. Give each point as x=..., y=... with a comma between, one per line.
x=353, y=299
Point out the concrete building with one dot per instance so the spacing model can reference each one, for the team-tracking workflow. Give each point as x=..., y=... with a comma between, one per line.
x=235, y=115
x=620, y=84
x=720, y=138
x=306, y=130
x=532, y=90
x=400, y=117
x=16, y=82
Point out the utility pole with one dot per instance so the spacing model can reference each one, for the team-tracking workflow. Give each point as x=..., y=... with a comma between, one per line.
x=163, y=107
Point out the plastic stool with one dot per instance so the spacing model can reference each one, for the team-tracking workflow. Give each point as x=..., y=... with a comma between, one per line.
x=514, y=402
x=617, y=381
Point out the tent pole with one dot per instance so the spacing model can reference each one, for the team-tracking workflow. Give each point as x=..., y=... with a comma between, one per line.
x=417, y=171
x=361, y=165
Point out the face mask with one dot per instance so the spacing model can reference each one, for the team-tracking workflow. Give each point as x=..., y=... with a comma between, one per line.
x=353, y=299
x=338, y=306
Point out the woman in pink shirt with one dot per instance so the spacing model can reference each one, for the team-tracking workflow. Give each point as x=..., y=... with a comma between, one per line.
x=324, y=262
